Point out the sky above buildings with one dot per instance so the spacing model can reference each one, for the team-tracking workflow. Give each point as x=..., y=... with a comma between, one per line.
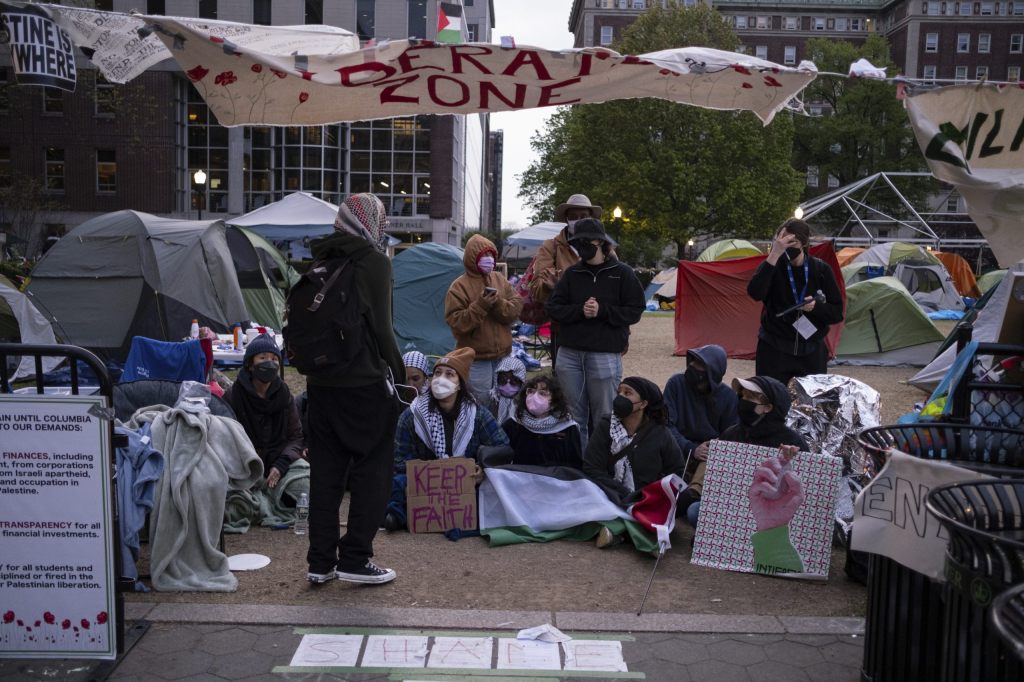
x=542, y=23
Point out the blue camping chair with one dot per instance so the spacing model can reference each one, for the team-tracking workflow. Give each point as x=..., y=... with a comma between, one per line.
x=169, y=360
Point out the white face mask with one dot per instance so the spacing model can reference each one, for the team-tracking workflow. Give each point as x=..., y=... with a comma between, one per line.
x=486, y=264
x=442, y=388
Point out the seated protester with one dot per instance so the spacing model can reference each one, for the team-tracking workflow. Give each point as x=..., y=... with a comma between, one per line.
x=444, y=422
x=508, y=380
x=416, y=370
x=266, y=410
x=698, y=404
x=763, y=406
x=541, y=430
x=631, y=447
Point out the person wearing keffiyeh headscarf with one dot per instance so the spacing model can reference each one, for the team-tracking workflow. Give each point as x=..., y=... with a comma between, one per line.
x=508, y=380
x=364, y=216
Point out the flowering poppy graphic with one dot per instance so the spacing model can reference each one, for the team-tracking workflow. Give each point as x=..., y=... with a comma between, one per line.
x=256, y=68
x=49, y=618
x=65, y=624
x=8, y=617
x=197, y=73
x=85, y=623
x=279, y=74
x=225, y=78
x=101, y=618
x=741, y=69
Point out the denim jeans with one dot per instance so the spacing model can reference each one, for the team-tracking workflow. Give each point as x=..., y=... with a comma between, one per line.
x=481, y=381
x=590, y=382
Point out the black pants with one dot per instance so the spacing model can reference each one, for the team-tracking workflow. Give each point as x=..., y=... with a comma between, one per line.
x=771, y=362
x=351, y=439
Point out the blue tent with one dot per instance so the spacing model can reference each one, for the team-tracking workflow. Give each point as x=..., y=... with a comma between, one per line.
x=423, y=274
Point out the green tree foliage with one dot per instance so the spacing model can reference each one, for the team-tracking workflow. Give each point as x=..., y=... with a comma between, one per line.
x=867, y=130
x=676, y=171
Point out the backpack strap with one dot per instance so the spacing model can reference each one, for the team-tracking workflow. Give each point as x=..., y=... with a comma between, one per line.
x=322, y=294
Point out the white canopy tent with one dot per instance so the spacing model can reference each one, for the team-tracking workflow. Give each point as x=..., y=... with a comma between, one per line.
x=297, y=216
x=524, y=243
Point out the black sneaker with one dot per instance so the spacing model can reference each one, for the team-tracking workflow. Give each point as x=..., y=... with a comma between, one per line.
x=391, y=522
x=370, y=574
x=320, y=578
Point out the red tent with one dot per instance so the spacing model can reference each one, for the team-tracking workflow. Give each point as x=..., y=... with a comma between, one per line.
x=712, y=305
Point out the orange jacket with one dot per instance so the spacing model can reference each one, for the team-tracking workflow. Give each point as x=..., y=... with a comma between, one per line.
x=487, y=330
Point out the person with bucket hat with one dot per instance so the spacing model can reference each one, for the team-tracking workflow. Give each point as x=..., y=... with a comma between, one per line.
x=443, y=422
x=594, y=303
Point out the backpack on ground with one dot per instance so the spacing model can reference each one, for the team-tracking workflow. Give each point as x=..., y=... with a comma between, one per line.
x=533, y=312
x=325, y=330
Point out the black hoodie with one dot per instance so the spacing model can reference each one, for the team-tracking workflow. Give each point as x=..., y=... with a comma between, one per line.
x=771, y=431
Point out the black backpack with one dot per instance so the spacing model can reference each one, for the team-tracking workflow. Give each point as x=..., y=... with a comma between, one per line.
x=325, y=330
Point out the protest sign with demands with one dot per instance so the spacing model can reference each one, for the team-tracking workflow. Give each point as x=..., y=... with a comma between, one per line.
x=441, y=494
x=761, y=513
x=57, y=564
x=41, y=51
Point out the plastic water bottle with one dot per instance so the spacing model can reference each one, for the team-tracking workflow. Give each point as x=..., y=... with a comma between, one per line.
x=302, y=515
x=237, y=337
x=193, y=333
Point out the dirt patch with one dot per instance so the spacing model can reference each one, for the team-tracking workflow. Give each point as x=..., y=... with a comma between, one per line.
x=564, y=576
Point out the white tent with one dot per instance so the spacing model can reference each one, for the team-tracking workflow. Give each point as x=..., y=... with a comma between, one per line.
x=924, y=276
x=32, y=327
x=524, y=243
x=297, y=216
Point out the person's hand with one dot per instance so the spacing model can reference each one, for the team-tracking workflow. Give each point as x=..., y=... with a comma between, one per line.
x=783, y=240
x=273, y=477
x=700, y=453
x=590, y=308
x=549, y=277
x=478, y=475
x=775, y=494
x=489, y=297
x=809, y=305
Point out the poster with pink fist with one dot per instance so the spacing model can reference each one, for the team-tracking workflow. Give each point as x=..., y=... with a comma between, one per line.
x=767, y=511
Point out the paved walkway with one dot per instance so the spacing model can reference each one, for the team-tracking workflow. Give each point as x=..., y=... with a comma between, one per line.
x=220, y=642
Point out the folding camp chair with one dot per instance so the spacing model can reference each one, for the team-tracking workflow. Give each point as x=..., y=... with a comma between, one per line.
x=536, y=340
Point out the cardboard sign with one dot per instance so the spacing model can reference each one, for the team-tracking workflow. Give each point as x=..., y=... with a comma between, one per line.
x=42, y=53
x=440, y=494
x=746, y=526
x=890, y=517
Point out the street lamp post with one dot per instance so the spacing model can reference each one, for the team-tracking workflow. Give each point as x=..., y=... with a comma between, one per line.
x=689, y=249
x=200, y=179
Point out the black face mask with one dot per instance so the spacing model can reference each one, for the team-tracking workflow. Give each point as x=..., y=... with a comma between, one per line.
x=697, y=380
x=585, y=249
x=748, y=417
x=266, y=371
x=622, y=406
x=792, y=253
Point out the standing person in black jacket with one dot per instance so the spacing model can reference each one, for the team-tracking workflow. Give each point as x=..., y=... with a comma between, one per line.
x=352, y=416
x=595, y=302
x=793, y=345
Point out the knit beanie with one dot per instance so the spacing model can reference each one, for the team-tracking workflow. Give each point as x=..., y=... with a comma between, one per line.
x=264, y=343
x=460, y=360
x=416, y=359
x=647, y=389
x=364, y=216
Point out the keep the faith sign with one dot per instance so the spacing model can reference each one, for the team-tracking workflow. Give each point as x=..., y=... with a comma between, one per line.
x=41, y=51
x=441, y=494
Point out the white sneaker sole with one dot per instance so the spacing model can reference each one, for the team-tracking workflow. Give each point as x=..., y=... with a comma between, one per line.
x=319, y=578
x=366, y=579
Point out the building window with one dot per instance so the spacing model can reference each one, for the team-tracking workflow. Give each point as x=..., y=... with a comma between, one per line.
x=5, y=167
x=953, y=204
x=840, y=23
x=743, y=49
x=207, y=9
x=792, y=23
x=106, y=171
x=261, y=13
x=987, y=9
x=53, y=101
x=741, y=22
x=855, y=24
x=984, y=43
x=639, y=4
x=472, y=32
x=931, y=42
x=54, y=169
x=961, y=73
x=314, y=12
x=981, y=73
x=789, y=54
x=812, y=176
x=156, y=7
x=1016, y=41
x=833, y=181
x=761, y=52
x=1013, y=74
x=606, y=35
x=929, y=73
x=689, y=3
x=365, y=19
x=966, y=9
x=764, y=22
x=418, y=19
x=105, y=96
x=819, y=23
x=963, y=42
x=933, y=8
x=1018, y=9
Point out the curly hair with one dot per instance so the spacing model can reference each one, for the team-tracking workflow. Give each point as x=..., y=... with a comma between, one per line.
x=559, y=406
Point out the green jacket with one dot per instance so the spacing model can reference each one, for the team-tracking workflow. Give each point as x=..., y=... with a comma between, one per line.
x=374, y=283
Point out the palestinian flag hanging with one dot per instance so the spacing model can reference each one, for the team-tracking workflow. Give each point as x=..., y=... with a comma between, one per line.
x=449, y=22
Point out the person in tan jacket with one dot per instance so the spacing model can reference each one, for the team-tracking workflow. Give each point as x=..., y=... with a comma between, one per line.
x=480, y=308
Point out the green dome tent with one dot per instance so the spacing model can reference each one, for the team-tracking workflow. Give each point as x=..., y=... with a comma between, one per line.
x=990, y=279
x=924, y=275
x=885, y=326
x=727, y=249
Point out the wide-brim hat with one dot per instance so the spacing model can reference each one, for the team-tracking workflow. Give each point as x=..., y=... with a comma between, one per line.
x=591, y=228
x=577, y=201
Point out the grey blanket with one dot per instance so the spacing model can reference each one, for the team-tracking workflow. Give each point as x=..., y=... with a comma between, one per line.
x=205, y=457
x=267, y=506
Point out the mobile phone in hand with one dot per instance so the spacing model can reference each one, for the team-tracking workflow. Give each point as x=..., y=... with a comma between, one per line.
x=490, y=290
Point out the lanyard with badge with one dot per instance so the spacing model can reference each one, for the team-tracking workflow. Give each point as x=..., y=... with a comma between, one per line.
x=802, y=325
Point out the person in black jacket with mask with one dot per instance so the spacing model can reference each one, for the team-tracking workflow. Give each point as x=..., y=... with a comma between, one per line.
x=595, y=302
x=265, y=408
x=793, y=344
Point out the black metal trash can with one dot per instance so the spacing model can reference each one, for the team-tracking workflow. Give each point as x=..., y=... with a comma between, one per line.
x=1007, y=616
x=985, y=555
x=903, y=626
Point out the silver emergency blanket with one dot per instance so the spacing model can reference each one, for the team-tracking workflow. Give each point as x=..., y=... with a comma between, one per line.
x=829, y=410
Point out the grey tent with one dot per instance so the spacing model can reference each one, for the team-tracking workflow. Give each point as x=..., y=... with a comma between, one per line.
x=423, y=274
x=127, y=274
x=21, y=322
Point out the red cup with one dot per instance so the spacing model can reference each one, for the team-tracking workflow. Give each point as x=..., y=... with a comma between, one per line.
x=261, y=330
